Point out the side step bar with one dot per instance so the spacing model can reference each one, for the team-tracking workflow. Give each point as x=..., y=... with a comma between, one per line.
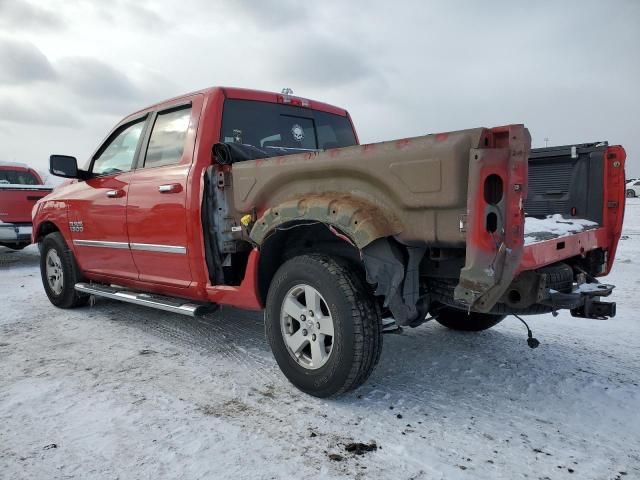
x=160, y=302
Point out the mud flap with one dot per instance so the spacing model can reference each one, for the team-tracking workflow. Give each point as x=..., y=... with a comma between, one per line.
x=396, y=279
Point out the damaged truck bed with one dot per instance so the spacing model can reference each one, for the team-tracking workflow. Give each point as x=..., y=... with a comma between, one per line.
x=267, y=201
x=442, y=219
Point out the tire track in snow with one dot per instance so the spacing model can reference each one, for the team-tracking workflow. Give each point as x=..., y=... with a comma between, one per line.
x=235, y=335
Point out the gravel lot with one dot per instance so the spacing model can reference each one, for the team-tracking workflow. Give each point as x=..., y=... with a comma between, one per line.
x=118, y=391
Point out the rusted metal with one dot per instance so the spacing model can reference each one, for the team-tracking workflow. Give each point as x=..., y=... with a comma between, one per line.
x=359, y=220
x=415, y=189
x=422, y=191
x=493, y=257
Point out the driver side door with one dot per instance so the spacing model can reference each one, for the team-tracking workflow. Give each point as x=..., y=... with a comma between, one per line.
x=97, y=213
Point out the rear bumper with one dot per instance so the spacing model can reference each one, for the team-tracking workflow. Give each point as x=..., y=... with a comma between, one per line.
x=15, y=233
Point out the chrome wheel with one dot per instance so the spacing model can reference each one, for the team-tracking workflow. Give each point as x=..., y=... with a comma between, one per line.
x=54, y=272
x=307, y=326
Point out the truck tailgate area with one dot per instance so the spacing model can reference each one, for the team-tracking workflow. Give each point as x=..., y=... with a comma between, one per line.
x=574, y=204
x=16, y=201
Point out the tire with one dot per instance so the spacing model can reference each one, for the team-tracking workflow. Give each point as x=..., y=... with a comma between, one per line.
x=56, y=260
x=631, y=193
x=339, y=362
x=463, y=321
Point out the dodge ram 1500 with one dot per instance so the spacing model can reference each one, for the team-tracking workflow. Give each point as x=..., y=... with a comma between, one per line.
x=267, y=201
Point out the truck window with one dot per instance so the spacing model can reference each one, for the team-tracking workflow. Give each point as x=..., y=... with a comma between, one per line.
x=119, y=153
x=167, y=138
x=17, y=177
x=264, y=125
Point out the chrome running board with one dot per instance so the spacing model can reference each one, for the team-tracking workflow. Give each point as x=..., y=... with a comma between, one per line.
x=159, y=302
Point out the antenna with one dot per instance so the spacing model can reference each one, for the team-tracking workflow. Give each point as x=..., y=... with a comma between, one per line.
x=287, y=91
x=546, y=141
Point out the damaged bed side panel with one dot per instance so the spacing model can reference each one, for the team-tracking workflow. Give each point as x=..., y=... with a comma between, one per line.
x=403, y=195
x=414, y=188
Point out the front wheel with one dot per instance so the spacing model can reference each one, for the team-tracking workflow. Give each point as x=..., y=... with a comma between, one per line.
x=60, y=273
x=323, y=325
x=631, y=193
x=465, y=321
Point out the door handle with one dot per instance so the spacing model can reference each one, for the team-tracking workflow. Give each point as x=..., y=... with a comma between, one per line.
x=170, y=188
x=115, y=193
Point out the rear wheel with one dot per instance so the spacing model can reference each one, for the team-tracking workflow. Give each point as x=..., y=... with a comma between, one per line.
x=465, y=321
x=60, y=273
x=631, y=193
x=323, y=325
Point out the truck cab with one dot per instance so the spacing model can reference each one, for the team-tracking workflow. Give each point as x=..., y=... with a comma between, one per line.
x=262, y=200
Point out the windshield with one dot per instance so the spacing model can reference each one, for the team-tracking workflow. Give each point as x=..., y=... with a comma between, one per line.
x=17, y=177
x=274, y=125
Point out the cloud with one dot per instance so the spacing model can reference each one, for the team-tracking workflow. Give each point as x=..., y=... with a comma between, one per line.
x=271, y=13
x=18, y=13
x=95, y=80
x=423, y=66
x=22, y=62
x=145, y=18
x=99, y=88
x=82, y=84
x=319, y=61
x=26, y=111
x=126, y=15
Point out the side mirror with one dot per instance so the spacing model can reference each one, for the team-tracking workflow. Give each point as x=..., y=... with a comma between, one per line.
x=63, y=166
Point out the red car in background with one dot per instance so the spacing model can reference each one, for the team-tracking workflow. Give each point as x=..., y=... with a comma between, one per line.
x=20, y=188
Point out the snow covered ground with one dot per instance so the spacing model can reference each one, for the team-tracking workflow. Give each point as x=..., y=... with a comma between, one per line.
x=117, y=391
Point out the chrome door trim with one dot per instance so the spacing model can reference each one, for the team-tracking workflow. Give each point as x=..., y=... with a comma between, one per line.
x=101, y=244
x=147, y=247
x=150, y=247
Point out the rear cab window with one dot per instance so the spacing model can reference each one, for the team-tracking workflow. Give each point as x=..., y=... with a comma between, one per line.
x=17, y=177
x=283, y=127
x=167, y=140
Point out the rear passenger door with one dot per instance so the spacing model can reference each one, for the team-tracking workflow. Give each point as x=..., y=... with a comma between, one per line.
x=157, y=200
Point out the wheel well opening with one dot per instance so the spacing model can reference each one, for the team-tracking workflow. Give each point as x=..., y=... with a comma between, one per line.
x=298, y=238
x=45, y=229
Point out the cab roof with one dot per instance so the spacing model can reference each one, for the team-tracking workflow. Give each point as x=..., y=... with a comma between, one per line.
x=14, y=166
x=256, y=95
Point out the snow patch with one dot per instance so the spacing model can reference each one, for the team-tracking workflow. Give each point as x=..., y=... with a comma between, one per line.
x=554, y=226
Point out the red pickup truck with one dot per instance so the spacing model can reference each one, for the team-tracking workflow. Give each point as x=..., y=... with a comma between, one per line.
x=20, y=188
x=267, y=201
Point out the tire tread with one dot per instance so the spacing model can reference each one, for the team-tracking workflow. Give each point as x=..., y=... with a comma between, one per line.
x=365, y=318
x=72, y=274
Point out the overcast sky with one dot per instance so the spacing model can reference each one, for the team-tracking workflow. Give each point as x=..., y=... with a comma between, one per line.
x=570, y=71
